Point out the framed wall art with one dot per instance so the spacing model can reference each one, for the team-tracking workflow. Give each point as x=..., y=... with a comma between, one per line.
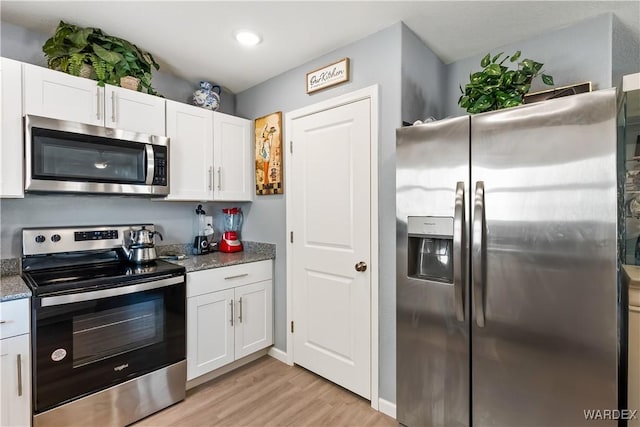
x=327, y=76
x=268, y=150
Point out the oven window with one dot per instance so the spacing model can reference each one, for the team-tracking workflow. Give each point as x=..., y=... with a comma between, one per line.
x=67, y=156
x=97, y=336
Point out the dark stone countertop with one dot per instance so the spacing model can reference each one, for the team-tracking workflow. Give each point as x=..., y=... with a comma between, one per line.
x=253, y=252
x=13, y=287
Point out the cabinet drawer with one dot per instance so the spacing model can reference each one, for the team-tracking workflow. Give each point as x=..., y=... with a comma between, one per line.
x=14, y=317
x=217, y=279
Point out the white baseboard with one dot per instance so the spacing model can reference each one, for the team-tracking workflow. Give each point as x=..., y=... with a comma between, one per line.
x=280, y=355
x=387, y=408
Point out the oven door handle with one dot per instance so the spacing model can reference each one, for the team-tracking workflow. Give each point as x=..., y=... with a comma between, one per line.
x=112, y=292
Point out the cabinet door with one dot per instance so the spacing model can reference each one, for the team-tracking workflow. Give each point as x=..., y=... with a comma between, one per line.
x=209, y=332
x=232, y=162
x=11, y=164
x=254, y=318
x=15, y=381
x=190, y=130
x=58, y=95
x=135, y=111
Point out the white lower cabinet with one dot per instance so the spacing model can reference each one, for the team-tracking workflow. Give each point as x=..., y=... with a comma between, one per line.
x=229, y=315
x=15, y=364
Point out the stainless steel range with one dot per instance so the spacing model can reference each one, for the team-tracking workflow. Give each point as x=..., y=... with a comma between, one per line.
x=108, y=336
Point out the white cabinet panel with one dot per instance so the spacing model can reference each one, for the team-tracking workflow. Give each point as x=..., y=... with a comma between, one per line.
x=11, y=164
x=135, y=111
x=254, y=329
x=210, y=332
x=15, y=381
x=14, y=317
x=58, y=95
x=232, y=158
x=190, y=130
x=15, y=365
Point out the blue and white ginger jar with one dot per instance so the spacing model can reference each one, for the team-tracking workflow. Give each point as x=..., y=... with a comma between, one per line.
x=207, y=97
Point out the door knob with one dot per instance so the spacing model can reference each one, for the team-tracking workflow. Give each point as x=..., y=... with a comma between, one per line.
x=361, y=266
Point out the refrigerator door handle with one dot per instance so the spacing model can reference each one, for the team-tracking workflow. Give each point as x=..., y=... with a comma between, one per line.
x=478, y=255
x=459, y=259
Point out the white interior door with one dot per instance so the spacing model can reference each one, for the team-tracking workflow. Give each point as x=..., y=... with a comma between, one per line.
x=330, y=187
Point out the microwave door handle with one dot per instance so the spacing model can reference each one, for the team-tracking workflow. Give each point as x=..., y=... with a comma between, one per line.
x=150, y=164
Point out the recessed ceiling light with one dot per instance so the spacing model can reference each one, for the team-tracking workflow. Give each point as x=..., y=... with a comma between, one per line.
x=247, y=38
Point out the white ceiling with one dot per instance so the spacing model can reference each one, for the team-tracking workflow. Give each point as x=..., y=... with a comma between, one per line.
x=194, y=39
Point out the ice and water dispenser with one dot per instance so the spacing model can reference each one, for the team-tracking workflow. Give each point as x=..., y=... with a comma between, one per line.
x=430, y=252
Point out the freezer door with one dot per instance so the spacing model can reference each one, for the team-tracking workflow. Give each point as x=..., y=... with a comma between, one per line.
x=432, y=302
x=544, y=325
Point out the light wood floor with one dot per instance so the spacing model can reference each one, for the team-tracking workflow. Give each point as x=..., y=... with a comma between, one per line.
x=267, y=392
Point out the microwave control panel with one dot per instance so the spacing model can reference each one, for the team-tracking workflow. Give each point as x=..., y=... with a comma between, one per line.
x=160, y=164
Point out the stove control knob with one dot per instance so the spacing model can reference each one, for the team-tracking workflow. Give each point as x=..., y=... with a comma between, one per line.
x=55, y=238
x=40, y=238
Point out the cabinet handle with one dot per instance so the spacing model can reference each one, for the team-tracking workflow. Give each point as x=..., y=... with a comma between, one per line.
x=236, y=276
x=231, y=305
x=19, y=360
x=210, y=177
x=2, y=322
x=219, y=178
x=240, y=317
x=98, y=103
x=113, y=107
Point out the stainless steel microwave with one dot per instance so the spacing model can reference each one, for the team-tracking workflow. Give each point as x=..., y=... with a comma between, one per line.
x=62, y=156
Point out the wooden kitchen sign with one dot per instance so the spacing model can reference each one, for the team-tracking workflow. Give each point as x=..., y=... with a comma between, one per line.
x=328, y=76
x=268, y=149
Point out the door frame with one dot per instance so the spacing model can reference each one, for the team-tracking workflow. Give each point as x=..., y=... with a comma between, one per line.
x=371, y=93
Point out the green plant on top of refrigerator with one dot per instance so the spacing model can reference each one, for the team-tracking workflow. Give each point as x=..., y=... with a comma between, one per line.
x=497, y=86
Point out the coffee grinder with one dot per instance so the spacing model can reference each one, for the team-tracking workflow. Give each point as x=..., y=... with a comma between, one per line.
x=204, y=229
x=232, y=220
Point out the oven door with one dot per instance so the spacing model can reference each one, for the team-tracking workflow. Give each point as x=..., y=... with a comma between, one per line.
x=86, y=342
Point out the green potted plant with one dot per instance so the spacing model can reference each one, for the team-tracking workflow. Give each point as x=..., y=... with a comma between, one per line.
x=73, y=49
x=497, y=86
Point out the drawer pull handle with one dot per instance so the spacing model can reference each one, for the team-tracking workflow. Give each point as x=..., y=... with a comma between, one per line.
x=19, y=360
x=236, y=276
x=2, y=322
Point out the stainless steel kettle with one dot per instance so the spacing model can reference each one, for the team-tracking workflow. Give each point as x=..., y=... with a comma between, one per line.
x=141, y=248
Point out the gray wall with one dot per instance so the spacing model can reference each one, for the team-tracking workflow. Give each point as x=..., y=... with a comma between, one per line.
x=374, y=60
x=423, y=74
x=626, y=50
x=571, y=55
x=175, y=220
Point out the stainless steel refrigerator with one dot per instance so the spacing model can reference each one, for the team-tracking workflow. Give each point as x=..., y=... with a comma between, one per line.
x=507, y=291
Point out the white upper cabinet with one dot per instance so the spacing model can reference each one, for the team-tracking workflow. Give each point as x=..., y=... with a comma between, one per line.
x=11, y=181
x=131, y=110
x=232, y=162
x=190, y=130
x=210, y=155
x=61, y=96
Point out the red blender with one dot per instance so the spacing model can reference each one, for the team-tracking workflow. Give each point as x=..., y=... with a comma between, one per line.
x=232, y=222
